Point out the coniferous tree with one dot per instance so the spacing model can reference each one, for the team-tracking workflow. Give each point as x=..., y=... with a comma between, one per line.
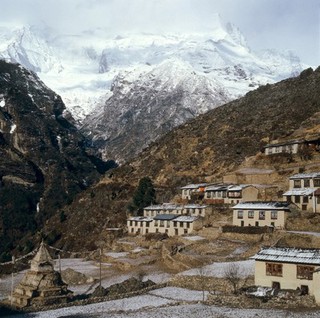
x=143, y=196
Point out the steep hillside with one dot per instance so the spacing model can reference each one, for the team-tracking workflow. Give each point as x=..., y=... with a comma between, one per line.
x=44, y=160
x=223, y=138
x=203, y=149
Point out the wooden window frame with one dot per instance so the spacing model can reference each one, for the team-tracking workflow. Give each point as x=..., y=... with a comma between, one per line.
x=274, y=215
x=305, y=272
x=240, y=214
x=297, y=183
x=262, y=215
x=274, y=269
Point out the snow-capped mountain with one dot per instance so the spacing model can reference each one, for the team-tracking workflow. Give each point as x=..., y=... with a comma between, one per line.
x=93, y=71
x=147, y=104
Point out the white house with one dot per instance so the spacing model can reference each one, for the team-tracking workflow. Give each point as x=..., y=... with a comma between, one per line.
x=289, y=268
x=171, y=208
x=171, y=224
x=190, y=189
x=304, y=191
x=260, y=214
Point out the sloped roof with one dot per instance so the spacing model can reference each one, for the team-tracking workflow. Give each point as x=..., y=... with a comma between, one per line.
x=304, y=191
x=140, y=219
x=186, y=218
x=310, y=175
x=195, y=186
x=289, y=255
x=257, y=205
x=165, y=217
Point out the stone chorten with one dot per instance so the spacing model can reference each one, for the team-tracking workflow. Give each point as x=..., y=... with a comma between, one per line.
x=41, y=285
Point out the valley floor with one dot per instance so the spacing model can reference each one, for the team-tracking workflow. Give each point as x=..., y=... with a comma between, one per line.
x=182, y=298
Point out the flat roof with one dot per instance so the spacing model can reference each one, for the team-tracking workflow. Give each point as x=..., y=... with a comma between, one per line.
x=289, y=255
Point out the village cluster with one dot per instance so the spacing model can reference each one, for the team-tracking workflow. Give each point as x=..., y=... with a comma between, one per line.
x=278, y=268
x=253, y=205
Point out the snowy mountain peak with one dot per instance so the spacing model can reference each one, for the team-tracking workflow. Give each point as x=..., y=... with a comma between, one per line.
x=82, y=67
x=22, y=45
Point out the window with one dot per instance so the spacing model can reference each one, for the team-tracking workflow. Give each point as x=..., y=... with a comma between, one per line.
x=273, y=269
x=297, y=183
x=296, y=199
x=240, y=214
x=147, y=224
x=305, y=272
x=188, y=225
x=250, y=214
x=262, y=215
x=181, y=224
x=161, y=223
x=147, y=231
x=306, y=183
x=274, y=215
x=131, y=223
x=175, y=223
x=305, y=199
x=316, y=182
x=156, y=223
x=185, y=231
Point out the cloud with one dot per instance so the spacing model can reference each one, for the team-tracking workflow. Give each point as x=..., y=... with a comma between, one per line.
x=284, y=24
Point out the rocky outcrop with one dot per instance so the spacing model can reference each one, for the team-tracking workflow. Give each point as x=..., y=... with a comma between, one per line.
x=145, y=107
x=44, y=160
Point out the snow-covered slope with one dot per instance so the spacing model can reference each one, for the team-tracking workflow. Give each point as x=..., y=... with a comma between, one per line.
x=81, y=67
x=103, y=78
x=147, y=104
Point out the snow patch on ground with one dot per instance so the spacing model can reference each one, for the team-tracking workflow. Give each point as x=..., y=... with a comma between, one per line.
x=194, y=238
x=117, y=255
x=2, y=103
x=246, y=268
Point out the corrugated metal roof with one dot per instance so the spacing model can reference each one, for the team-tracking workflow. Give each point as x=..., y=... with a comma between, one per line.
x=185, y=218
x=289, y=255
x=140, y=219
x=165, y=217
x=195, y=186
x=172, y=206
x=304, y=191
x=305, y=175
x=256, y=205
x=194, y=206
x=217, y=188
x=163, y=207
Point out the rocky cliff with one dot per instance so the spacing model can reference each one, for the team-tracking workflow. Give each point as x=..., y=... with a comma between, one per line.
x=44, y=160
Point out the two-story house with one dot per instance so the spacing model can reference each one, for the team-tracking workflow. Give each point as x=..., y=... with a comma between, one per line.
x=289, y=268
x=304, y=191
x=261, y=214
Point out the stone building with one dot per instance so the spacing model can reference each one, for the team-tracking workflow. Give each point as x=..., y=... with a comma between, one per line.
x=41, y=285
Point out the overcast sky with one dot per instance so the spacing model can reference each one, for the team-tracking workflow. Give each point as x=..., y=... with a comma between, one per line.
x=282, y=24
